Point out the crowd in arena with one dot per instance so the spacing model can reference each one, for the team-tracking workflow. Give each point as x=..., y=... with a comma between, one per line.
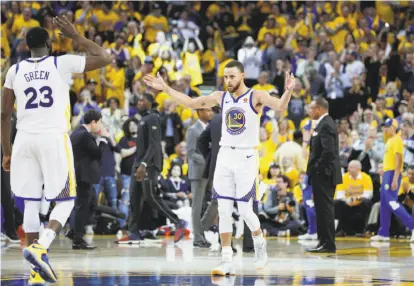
x=358, y=55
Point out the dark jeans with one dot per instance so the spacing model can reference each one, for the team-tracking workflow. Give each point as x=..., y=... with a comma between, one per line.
x=352, y=219
x=147, y=191
x=7, y=203
x=83, y=210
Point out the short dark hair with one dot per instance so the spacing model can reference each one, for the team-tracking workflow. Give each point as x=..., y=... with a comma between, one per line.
x=235, y=64
x=285, y=180
x=92, y=115
x=37, y=37
x=125, y=126
x=321, y=102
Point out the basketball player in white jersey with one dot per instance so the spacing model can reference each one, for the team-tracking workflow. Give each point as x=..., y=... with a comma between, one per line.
x=235, y=177
x=42, y=153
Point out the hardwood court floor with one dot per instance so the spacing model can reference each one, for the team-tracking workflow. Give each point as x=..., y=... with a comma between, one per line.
x=357, y=262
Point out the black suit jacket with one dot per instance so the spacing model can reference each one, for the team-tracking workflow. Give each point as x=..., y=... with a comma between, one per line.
x=324, y=152
x=87, y=156
x=212, y=134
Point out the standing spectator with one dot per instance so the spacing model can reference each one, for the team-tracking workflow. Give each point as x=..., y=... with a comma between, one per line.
x=269, y=55
x=111, y=117
x=187, y=27
x=191, y=60
x=154, y=23
x=196, y=166
x=171, y=127
x=128, y=145
x=408, y=135
x=87, y=155
x=353, y=199
x=147, y=167
x=250, y=56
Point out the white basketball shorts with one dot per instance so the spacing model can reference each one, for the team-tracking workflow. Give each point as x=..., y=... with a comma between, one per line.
x=42, y=166
x=236, y=174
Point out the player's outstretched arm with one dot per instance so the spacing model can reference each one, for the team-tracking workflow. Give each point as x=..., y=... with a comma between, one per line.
x=98, y=57
x=278, y=103
x=181, y=98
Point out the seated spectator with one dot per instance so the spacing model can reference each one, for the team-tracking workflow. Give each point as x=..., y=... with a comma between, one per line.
x=279, y=214
x=406, y=194
x=304, y=197
x=175, y=189
x=352, y=200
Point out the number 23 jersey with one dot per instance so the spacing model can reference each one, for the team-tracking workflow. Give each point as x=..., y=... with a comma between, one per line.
x=41, y=87
x=241, y=122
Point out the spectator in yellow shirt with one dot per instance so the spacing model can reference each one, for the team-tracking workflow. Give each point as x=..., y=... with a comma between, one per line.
x=117, y=78
x=263, y=83
x=191, y=57
x=154, y=22
x=23, y=24
x=353, y=200
x=107, y=18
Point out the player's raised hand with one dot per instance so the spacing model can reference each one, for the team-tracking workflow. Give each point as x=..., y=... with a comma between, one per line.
x=65, y=26
x=290, y=81
x=6, y=163
x=155, y=82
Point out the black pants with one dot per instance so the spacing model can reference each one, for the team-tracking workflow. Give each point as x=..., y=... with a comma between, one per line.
x=323, y=193
x=351, y=219
x=7, y=203
x=146, y=191
x=83, y=203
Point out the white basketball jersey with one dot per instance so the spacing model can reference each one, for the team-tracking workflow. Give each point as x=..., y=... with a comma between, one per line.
x=42, y=92
x=241, y=122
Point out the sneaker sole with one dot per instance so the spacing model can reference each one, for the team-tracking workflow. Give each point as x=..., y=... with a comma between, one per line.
x=11, y=240
x=46, y=272
x=216, y=272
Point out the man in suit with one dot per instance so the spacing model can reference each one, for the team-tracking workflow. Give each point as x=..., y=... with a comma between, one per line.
x=208, y=144
x=196, y=166
x=324, y=173
x=87, y=156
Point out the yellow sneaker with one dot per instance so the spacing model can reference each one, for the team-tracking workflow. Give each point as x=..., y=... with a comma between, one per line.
x=35, y=278
x=37, y=256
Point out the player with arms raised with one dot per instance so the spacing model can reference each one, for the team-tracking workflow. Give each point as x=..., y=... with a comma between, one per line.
x=235, y=178
x=42, y=153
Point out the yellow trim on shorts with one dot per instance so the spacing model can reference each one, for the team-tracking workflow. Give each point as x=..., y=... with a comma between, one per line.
x=67, y=115
x=71, y=171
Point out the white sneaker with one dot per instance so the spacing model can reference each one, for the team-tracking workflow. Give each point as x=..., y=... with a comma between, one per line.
x=380, y=238
x=412, y=236
x=260, y=255
x=225, y=268
x=308, y=236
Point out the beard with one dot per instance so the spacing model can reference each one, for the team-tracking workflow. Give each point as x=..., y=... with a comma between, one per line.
x=234, y=88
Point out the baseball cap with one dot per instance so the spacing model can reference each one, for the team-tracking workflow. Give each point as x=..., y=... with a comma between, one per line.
x=391, y=122
x=91, y=80
x=148, y=60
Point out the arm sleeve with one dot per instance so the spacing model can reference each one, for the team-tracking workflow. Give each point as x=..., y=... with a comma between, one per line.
x=91, y=147
x=203, y=141
x=192, y=147
x=153, y=133
x=328, y=143
x=11, y=73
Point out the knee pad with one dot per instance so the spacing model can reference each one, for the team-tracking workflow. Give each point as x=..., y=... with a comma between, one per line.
x=31, y=220
x=246, y=212
x=225, y=210
x=62, y=211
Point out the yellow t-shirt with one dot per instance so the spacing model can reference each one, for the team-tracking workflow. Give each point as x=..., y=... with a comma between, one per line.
x=293, y=175
x=20, y=23
x=220, y=72
x=405, y=183
x=152, y=25
x=106, y=21
x=355, y=187
x=268, y=147
x=393, y=146
x=117, y=79
x=160, y=98
x=208, y=61
x=297, y=193
x=191, y=63
x=267, y=87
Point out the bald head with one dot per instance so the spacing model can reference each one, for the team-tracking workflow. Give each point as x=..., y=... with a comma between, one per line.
x=354, y=168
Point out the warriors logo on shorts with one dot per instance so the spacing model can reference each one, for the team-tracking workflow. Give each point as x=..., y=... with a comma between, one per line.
x=235, y=121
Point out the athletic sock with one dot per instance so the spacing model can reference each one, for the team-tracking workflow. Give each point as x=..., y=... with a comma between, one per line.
x=47, y=237
x=258, y=240
x=227, y=254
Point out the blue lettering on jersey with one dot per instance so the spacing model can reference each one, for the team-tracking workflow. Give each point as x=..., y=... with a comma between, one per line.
x=235, y=121
x=43, y=75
